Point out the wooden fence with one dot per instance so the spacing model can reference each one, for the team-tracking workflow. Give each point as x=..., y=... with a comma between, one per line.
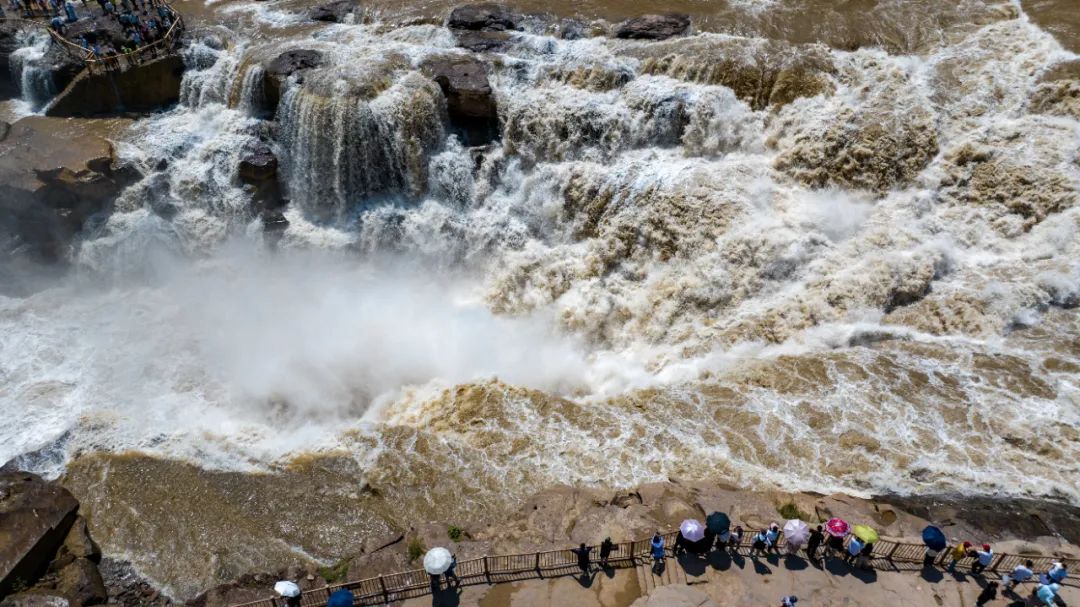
x=552, y=563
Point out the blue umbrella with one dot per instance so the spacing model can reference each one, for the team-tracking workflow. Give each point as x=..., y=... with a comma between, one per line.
x=340, y=598
x=934, y=538
x=717, y=522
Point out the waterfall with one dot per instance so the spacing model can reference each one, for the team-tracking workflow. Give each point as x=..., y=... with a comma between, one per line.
x=343, y=146
x=35, y=80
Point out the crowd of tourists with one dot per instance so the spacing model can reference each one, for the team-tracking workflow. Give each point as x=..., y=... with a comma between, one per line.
x=139, y=23
x=834, y=539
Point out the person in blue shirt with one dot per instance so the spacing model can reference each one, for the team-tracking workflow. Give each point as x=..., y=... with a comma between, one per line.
x=854, y=547
x=656, y=547
x=773, y=538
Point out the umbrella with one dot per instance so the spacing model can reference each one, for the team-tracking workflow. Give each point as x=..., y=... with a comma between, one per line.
x=718, y=522
x=934, y=538
x=837, y=527
x=865, y=533
x=288, y=589
x=340, y=598
x=796, y=532
x=692, y=530
x=437, y=561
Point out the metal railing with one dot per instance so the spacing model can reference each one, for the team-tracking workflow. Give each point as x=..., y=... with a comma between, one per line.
x=504, y=568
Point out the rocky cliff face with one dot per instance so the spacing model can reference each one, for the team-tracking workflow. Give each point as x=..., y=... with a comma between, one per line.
x=54, y=176
x=147, y=87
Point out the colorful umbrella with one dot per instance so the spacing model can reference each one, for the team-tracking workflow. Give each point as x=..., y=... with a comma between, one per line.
x=340, y=598
x=692, y=530
x=718, y=522
x=865, y=533
x=286, y=588
x=837, y=527
x=796, y=532
x=437, y=561
x=934, y=538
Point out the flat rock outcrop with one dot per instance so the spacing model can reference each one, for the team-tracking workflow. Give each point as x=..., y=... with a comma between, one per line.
x=654, y=27
x=54, y=175
x=334, y=12
x=150, y=86
x=282, y=67
x=35, y=517
x=470, y=101
x=486, y=17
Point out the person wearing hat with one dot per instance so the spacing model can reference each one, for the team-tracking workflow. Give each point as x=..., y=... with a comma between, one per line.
x=789, y=601
x=957, y=554
x=983, y=559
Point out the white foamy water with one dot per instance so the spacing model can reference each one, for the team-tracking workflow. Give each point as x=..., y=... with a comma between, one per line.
x=826, y=276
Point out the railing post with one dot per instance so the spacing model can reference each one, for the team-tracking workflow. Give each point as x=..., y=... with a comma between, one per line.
x=487, y=572
x=385, y=594
x=538, y=563
x=893, y=551
x=997, y=561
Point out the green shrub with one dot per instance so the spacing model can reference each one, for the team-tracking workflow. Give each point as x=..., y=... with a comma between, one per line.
x=454, y=532
x=336, y=572
x=416, y=549
x=791, y=510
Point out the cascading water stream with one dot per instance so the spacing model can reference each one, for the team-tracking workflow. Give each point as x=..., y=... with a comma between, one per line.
x=35, y=80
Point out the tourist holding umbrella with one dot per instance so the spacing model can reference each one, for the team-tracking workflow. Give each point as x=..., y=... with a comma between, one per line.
x=868, y=536
x=935, y=542
x=690, y=532
x=837, y=530
x=340, y=598
x=290, y=593
x=719, y=525
x=796, y=533
x=437, y=561
x=817, y=536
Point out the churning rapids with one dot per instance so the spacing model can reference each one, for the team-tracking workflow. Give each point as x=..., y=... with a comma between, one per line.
x=773, y=256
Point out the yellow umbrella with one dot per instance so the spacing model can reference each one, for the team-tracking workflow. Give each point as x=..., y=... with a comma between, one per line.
x=865, y=533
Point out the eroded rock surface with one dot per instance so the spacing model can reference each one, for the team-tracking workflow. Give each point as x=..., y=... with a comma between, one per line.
x=654, y=27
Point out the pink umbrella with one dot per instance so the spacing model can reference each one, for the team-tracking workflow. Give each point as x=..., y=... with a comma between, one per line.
x=837, y=527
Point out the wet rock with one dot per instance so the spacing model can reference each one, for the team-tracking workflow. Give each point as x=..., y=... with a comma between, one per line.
x=148, y=87
x=8, y=44
x=53, y=178
x=5, y=128
x=37, y=598
x=485, y=17
x=258, y=164
x=82, y=582
x=654, y=27
x=482, y=42
x=470, y=101
x=284, y=66
x=35, y=517
x=334, y=12
x=77, y=545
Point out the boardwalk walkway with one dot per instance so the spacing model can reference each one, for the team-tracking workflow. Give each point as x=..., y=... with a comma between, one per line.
x=687, y=569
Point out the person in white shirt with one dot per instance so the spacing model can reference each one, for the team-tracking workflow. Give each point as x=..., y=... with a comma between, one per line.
x=1021, y=574
x=982, y=559
x=788, y=601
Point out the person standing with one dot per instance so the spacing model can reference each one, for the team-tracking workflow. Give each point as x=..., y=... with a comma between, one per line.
x=957, y=554
x=789, y=601
x=736, y=538
x=773, y=539
x=988, y=594
x=760, y=543
x=656, y=547
x=723, y=538
x=816, y=537
x=1020, y=574
x=583, y=563
x=1057, y=573
x=450, y=574
x=854, y=547
x=983, y=558
x=605, y=551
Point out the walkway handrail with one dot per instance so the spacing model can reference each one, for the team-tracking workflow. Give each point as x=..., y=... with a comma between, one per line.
x=417, y=582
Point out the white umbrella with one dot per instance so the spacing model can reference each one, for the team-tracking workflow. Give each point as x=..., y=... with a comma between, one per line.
x=285, y=588
x=796, y=532
x=437, y=561
x=692, y=530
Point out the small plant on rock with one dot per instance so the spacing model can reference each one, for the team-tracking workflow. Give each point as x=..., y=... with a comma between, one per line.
x=416, y=549
x=455, y=533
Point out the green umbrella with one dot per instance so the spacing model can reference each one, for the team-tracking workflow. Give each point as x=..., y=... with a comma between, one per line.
x=865, y=533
